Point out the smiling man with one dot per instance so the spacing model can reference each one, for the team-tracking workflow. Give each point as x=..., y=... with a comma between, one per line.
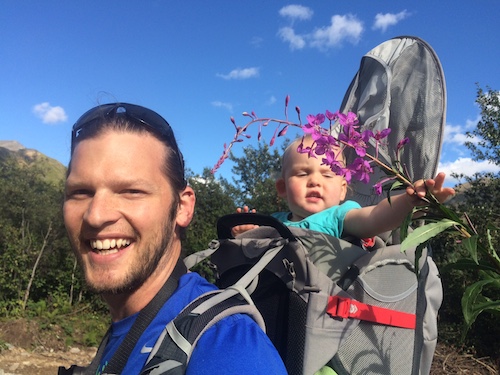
x=126, y=205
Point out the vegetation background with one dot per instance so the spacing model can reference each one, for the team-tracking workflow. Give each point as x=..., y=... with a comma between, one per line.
x=41, y=285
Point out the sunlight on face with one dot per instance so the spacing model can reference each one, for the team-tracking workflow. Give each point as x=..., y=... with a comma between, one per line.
x=117, y=210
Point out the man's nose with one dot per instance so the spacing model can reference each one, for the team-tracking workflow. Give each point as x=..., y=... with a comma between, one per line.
x=101, y=210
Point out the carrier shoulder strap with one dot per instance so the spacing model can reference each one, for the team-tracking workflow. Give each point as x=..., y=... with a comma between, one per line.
x=173, y=349
x=145, y=317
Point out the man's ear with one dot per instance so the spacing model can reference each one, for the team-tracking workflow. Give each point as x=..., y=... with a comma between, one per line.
x=185, y=211
x=281, y=187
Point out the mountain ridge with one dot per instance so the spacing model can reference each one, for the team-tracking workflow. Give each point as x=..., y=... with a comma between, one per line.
x=51, y=170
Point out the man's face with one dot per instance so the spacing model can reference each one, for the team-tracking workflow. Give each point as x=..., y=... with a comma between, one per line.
x=117, y=210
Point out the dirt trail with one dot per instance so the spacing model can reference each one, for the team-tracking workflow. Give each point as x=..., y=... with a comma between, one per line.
x=16, y=360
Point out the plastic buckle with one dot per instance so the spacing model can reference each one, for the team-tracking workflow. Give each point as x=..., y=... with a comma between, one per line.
x=339, y=307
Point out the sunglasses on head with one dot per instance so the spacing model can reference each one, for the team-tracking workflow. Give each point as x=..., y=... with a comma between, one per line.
x=136, y=113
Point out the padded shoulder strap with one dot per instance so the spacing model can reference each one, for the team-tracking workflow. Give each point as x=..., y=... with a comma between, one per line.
x=174, y=347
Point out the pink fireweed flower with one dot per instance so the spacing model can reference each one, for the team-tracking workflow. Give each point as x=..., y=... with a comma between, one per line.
x=283, y=131
x=355, y=141
x=316, y=120
x=347, y=120
x=326, y=143
x=334, y=164
x=382, y=134
x=361, y=170
x=309, y=150
x=379, y=136
x=331, y=116
x=379, y=186
x=402, y=143
x=314, y=127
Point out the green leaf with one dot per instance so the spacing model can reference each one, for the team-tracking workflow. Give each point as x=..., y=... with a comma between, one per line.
x=403, y=230
x=426, y=232
x=448, y=213
x=396, y=185
x=418, y=255
x=474, y=303
x=466, y=263
x=471, y=245
x=492, y=250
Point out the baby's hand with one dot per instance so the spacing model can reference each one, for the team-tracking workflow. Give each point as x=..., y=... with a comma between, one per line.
x=434, y=186
x=239, y=229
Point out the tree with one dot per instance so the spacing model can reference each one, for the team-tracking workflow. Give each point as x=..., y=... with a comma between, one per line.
x=35, y=257
x=256, y=173
x=213, y=200
x=472, y=271
x=487, y=131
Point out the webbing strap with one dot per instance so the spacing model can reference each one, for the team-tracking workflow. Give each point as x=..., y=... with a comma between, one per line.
x=349, y=308
x=147, y=314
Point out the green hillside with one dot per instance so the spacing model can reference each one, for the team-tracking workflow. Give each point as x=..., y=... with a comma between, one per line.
x=51, y=170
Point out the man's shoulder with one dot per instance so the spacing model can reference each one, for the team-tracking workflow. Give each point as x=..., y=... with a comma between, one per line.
x=236, y=344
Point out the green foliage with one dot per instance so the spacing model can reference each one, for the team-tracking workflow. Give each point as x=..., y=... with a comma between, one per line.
x=213, y=200
x=256, y=173
x=477, y=228
x=487, y=131
x=31, y=222
x=471, y=272
x=426, y=232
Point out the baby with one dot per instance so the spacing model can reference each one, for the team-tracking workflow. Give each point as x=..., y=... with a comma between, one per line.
x=316, y=199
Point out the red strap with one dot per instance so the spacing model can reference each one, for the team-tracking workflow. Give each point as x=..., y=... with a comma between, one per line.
x=350, y=308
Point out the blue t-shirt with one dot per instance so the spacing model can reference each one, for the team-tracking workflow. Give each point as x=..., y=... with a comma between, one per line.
x=329, y=221
x=235, y=345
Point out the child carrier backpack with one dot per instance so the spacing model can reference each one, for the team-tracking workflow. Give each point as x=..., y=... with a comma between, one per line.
x=325, y=301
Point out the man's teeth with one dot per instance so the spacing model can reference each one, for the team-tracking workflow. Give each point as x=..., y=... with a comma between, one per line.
x=109, y=244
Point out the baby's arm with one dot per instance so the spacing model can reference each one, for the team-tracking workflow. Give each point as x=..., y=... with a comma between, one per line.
x=239, y=229
x=372, y=220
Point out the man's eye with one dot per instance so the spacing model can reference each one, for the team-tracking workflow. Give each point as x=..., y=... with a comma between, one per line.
x=133, y=192
x=79, y=194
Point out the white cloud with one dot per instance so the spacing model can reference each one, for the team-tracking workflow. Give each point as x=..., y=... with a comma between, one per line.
x=455, y=134
x=287, y=34
x=256, y=41
x=383, y=21
x=465, y=166
x=342, y=28
x=296, y=12
x=271, y=100
x=225, y=105
x=49, y=114
x=239, y=73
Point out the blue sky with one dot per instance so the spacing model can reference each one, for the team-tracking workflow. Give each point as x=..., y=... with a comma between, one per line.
x=198, y=62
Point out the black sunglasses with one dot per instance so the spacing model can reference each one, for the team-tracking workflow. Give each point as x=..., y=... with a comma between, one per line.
x=140, y=115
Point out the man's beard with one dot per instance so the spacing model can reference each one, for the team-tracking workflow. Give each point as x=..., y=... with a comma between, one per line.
x=147, y=262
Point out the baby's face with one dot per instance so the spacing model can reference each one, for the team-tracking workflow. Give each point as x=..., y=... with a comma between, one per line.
x=310, y=187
